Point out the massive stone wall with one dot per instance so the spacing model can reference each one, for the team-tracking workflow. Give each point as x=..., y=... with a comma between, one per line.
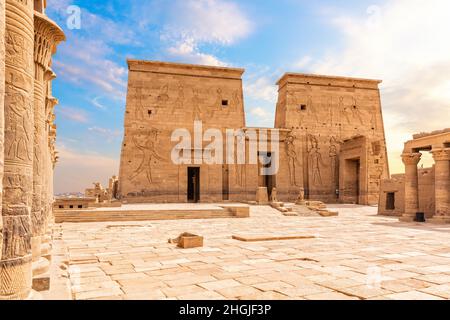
x=163, y=97
x=323, y=112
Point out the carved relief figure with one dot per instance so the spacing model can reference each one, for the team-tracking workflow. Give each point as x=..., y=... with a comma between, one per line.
x=163, y=96
x=333, y=154
x=356, y=113
x=16, y=232
x=344, y=110
x=217, y=104
x=16, y=187
x=373, y=120
x=292, y=158
x=330, y=109
x=179, y=103
x=139, y=105
x=196, y=105
x=147, y=145
x=315, y=160
x=312, y=111
x=236, y=101
x=16, y=123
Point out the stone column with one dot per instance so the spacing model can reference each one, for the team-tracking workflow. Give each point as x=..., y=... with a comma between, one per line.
x=47, y=36
x=442, y=185
x=15, y=266
x=2, y=108
x=411, y=186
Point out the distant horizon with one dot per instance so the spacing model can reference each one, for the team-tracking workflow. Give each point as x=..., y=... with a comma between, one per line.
x=385, y=40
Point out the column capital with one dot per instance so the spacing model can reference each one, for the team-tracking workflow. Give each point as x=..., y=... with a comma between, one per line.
x=411, y=158
x=441, y=154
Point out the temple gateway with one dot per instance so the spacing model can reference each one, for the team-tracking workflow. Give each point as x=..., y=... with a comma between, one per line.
x=328, y=139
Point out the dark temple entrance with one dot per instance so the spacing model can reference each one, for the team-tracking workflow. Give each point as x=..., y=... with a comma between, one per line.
x=352, y=180
x=265, y=180
x=225, y=182
x=193, y=184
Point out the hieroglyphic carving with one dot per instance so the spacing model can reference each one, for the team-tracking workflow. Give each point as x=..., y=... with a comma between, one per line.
x=146, y=143
x=292, y=158
x=179, y=103
x=18, y=50
x=17, y=121
x=139, y=109
x=163, y=97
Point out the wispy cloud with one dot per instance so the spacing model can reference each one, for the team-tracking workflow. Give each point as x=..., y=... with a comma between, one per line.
x=72, y=114
x=96, y=103
x=193, y=23
x=107, y=134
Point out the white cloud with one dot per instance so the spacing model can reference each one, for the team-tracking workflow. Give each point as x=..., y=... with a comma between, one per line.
x=108, y=134
x=208, y=21
x=189, y=53
x=76, y=171
x=193, y=23
x=261, y=88
x=304, y=62
x=403, y=43
x=85, y=62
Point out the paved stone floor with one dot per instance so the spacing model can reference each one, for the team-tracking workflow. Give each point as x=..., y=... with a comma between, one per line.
x=357, y=255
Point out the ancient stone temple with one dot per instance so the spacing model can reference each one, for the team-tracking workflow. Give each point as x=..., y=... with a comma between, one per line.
x=420, y=190
x=28, y=39
x=328, y=139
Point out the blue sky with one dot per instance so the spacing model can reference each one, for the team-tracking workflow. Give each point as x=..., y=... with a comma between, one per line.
x=398, y=41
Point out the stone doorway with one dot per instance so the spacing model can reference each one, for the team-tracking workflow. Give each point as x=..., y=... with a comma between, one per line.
x=225, y=182
x=193, y=184
x=352, y=180
x=268, y=181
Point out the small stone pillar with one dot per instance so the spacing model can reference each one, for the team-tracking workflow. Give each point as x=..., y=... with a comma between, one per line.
x=15, y=263
x=262, y=195
x=411, y=186
x=441, y=185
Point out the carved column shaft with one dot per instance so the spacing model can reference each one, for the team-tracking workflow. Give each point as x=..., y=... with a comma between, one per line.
x=15, y=266
x=2, y=106
x=38, y=147
x=411, y=183
x=442, y=182
x=47, y=35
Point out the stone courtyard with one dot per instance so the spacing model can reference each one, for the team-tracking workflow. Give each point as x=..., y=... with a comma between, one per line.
x=357, y=255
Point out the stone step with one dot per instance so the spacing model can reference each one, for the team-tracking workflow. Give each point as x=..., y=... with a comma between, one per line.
x=140, y=216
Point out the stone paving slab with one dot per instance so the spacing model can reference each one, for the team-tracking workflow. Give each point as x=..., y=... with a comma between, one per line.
x=357, y=255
